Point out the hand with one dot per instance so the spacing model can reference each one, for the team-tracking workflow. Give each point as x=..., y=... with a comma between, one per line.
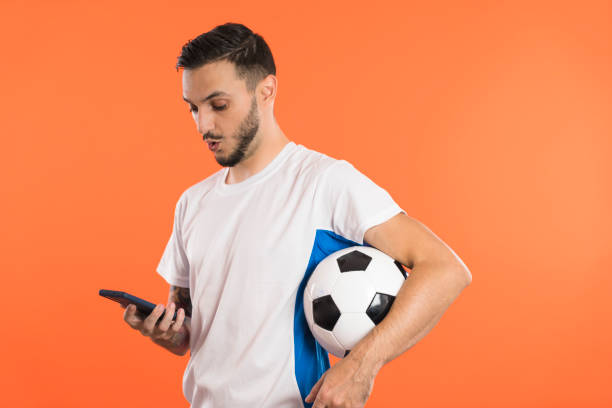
x=165, y=331
x=346, y=384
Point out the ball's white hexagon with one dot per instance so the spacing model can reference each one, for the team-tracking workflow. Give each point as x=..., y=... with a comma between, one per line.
x=353, y=292
x=308, y=310
x=384, y=275
x=322, y=279
x=351, y=328
x=328, y=341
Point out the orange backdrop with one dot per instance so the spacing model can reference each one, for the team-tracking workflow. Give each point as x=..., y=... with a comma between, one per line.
x=488, y=122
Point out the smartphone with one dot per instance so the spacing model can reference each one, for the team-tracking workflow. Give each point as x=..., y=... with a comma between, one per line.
x=143, y=307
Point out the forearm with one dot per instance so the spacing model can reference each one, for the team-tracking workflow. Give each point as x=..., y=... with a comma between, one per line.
x=422, y=300
x=179, y=343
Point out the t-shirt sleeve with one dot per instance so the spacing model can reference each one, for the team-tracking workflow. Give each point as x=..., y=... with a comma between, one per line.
x=174, y=266
x=354, y=201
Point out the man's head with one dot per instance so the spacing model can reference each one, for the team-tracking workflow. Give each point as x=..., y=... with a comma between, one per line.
x=229, y=83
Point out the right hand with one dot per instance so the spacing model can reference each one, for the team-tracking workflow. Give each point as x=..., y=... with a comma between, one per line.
x=165, y=330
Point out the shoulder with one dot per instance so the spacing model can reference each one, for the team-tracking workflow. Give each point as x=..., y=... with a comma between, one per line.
x=314, y=163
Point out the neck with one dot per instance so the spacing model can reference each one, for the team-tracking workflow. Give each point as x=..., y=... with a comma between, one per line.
x=266, y=146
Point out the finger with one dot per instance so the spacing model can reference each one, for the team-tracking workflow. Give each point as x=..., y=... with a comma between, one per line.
x=149, y=323
x=126, y=313
x=180, y=318
x=165, y=322
x=319, y=404
x=129, y=315
x=175, y=328
x=315, y=389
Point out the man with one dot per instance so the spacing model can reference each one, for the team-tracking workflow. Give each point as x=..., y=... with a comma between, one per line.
x=246, y=239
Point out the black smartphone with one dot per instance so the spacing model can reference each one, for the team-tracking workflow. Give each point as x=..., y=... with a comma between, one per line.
x=143, y=307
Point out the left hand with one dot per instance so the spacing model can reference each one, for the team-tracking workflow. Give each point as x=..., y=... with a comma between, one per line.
x=347, y=384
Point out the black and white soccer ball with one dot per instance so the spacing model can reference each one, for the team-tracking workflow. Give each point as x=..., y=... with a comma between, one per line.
x=349, y=292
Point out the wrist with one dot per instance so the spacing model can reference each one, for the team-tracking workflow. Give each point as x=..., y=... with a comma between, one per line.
x=177, y=344
x=172, y=346
x=367, y=353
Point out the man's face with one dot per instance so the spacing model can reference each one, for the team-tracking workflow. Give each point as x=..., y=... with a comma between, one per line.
x=229, y=114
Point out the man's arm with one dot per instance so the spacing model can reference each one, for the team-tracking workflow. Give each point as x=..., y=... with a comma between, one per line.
x=179, y=344
x=437, y=277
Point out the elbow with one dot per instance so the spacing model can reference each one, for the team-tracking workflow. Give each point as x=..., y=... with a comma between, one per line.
x=467, y=275
x=462, y=273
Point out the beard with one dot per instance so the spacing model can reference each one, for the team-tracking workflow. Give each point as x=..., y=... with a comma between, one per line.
x=245, y=135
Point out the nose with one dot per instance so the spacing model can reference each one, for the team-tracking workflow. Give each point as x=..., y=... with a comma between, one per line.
x=204, y=123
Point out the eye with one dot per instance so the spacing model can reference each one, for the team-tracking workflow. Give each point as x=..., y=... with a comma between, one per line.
x=217, y=108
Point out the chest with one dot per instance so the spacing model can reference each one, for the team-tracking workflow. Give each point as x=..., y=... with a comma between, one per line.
x=263, y=236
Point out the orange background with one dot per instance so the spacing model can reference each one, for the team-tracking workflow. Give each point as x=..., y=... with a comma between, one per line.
x=488, y=122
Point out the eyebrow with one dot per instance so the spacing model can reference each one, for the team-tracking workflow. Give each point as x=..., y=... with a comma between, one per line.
x=212, y=95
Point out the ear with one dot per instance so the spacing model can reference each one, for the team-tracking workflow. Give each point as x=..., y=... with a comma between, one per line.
x=266, y=90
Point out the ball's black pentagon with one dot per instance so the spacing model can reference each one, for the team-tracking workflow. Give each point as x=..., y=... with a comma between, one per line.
x=325, y=313
x=401, y=268
x=353, y=261
x=379, y=307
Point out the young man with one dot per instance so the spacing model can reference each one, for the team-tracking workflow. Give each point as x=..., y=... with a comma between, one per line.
x=246, y=239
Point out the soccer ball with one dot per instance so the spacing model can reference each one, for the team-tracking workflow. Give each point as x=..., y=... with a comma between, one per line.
x=350, y=291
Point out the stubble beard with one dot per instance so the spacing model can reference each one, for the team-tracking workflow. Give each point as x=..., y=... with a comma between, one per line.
x=246, y=133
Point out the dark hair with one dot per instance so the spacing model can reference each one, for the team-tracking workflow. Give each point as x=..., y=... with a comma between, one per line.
x=233, y=42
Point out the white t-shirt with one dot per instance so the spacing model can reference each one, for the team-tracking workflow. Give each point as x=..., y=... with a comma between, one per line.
x=246, y=251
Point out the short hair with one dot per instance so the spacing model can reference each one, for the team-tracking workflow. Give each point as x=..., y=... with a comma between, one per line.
x=233, y=42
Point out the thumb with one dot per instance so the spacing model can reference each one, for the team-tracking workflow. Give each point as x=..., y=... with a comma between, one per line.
x=315, y=389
